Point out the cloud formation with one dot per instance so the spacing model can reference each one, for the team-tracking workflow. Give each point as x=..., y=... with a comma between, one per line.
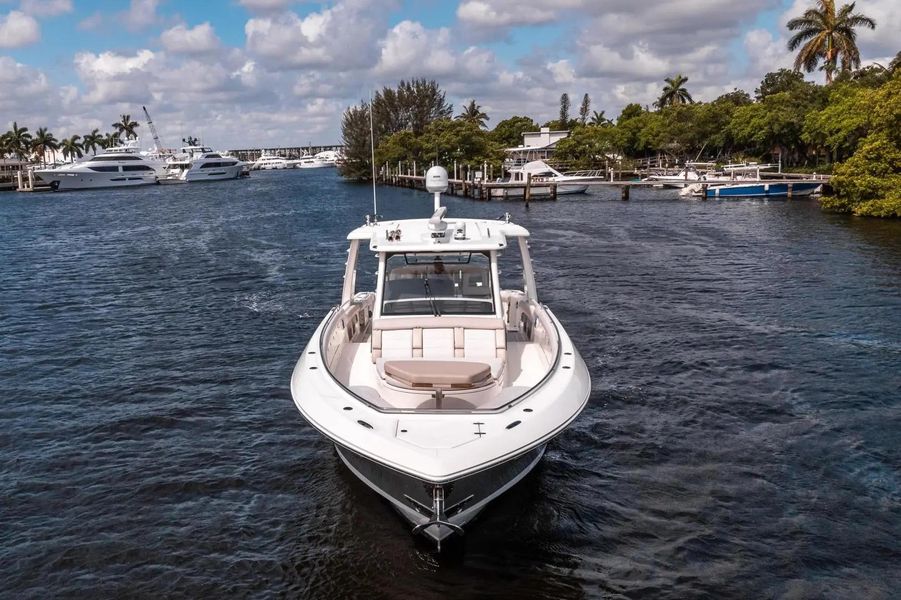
x=281, y=72
x=18, y=29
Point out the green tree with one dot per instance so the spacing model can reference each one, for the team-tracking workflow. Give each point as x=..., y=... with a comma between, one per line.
x=783, y=80
x=598, y=118
x=630, y=111
x=18, y=140
x=126, y=126
x=472, y=112
x=843, y=121
x=508, y=133
x=674, y=92
x=44, y=142
x=111, y=140
x=584, y=109
x=355, y=134
x=412, y=106
x=564, y=111
x=71, y=147
x=869, y=183
x=92, y=141
x=586, y=147
x=824, y=34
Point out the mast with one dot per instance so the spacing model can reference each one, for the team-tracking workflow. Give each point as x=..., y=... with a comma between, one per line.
x=156, y=137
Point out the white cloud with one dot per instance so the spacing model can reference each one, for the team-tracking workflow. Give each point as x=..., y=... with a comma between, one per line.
x=111, y=77
x=266, y=5
x=46, y=8
x=141, y=14
x=341, y=37
x=194, y=40
x=485, y=13
x=91, y=22
x=18, y=29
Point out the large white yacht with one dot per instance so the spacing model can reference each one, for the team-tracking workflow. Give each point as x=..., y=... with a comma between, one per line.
x=439, y=389
x=268, y=162
x=201, y=163
x=114, y=167
x=326, y=158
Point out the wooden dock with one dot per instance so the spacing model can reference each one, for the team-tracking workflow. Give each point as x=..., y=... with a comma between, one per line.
x=479, y=189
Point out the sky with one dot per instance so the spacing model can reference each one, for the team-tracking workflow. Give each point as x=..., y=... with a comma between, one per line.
x=270, y=73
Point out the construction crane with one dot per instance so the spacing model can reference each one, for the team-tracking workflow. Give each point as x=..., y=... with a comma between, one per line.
x=156, y=137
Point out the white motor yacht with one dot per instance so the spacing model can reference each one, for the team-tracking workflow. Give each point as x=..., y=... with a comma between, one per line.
x=268, y=162
x=439, y=389
x=114, y=167
x=201, y=163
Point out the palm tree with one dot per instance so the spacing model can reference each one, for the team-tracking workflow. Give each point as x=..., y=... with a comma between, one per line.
x=18, y=140
x=126, y=126
x=598, y=118
x=92, y=140
x=43, y=142
x=71, y=147
x=472, y=112
x=110, y=139
x=823, y=33
x=674, y=92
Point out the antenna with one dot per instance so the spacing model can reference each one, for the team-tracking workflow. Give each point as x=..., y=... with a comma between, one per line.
x=375, y=210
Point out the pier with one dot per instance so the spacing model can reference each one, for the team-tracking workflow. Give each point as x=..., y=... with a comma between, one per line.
x=471, y=184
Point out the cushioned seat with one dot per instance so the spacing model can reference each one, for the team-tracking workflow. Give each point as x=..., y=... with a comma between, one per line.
x=438, y=373
x=452, y=373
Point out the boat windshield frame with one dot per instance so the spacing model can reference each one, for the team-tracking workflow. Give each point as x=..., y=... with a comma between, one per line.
x=459, y=283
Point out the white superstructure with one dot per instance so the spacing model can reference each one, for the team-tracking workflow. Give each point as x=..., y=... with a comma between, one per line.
x=268, y=162
x=202, y=163
x=439, y=388
x=114, y=167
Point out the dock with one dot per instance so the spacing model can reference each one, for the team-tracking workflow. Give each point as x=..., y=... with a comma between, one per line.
x=473, y=185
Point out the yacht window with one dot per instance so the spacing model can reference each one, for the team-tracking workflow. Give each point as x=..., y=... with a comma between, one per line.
x=136, y=168
x=105, y=169
x=216, y=165
x=214, y=155
x=438, y=284
x=115, y=157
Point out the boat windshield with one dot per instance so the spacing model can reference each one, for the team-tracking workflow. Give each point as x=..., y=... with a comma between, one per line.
x=438, y=284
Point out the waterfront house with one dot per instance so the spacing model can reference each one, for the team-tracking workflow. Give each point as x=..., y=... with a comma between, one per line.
x=536, y=145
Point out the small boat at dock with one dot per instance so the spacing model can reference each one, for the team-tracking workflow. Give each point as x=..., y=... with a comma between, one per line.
x=745, y=182
x=542, y=174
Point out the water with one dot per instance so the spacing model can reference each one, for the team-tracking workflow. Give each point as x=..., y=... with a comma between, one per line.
x=743, y=438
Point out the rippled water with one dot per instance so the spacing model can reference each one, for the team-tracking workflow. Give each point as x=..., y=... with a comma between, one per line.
x=743, y=438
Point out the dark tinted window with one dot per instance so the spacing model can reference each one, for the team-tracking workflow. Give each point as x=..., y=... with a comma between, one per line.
x=110, y=157
x=214, y=155
x=136, y=168
x=105, y=169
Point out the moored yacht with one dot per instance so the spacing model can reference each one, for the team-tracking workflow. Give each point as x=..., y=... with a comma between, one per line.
x=268, y=162
x=114, y=167
x=542, y=175
x=439, y=389
x=201, y=163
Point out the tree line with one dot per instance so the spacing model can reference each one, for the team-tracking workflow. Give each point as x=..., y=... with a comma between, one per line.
x=850, y=126
x=20, y=143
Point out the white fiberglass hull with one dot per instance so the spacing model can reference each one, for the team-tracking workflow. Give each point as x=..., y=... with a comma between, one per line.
x=213, y=174
x=72, y=180
x=463, y=499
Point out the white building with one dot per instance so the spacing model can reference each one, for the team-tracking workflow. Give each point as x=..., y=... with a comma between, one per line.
x=536, y=145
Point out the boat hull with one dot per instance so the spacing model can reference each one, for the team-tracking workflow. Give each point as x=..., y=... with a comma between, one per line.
x=215, y=174
x=762, y=190
x=462, y=499
x=86, y=181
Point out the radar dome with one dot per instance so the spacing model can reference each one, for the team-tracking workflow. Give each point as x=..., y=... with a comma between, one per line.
x=436, y=180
